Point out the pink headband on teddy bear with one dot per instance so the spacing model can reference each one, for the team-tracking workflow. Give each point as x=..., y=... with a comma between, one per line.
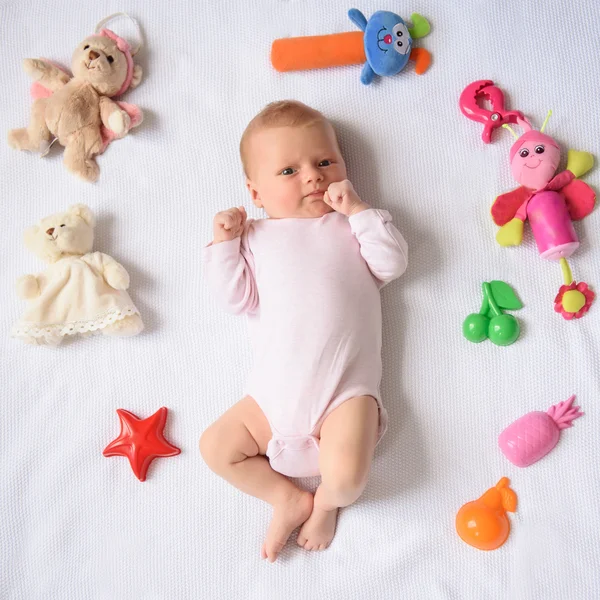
x=123, y=47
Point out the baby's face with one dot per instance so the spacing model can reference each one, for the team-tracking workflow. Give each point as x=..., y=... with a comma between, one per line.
x=291, y=167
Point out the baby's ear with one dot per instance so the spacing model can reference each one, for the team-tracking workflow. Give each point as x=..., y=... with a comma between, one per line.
x=137, y=76
x=30, y=237
x=253, y=194
x=84, y=212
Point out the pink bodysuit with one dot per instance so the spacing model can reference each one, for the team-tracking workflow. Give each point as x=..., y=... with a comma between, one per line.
x=310, y=288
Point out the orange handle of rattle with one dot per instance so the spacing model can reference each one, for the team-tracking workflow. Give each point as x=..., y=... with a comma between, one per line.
x=318, y=51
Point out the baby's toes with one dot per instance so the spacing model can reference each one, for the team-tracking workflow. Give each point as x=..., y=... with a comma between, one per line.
x=272, y=550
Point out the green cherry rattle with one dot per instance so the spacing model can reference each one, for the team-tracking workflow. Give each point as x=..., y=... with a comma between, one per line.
x=491, y=322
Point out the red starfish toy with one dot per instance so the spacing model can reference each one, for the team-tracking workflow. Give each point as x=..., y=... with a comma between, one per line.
x=141, y=441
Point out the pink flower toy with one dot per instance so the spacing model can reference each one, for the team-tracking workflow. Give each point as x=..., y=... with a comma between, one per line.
x=549, y=202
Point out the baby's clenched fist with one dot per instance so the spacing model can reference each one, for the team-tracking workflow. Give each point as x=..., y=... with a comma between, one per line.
x=229, y=224
x=342, y=197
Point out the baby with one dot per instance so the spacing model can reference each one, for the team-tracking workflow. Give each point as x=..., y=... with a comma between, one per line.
x=308, y=279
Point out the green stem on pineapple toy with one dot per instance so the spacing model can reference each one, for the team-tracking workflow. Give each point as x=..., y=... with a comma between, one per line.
x=487, y=292
x=566, y=271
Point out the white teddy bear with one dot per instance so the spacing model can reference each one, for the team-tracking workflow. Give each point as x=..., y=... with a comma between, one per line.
x=81, y=291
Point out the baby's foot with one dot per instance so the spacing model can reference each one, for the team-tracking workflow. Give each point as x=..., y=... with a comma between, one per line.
x=317, y=532
x=287, y=515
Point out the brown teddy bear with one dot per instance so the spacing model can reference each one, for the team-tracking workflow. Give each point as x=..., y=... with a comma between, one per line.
x=81, y=291
x=78, y=111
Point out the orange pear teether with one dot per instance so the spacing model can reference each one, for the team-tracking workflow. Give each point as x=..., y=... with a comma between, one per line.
x=483, y=523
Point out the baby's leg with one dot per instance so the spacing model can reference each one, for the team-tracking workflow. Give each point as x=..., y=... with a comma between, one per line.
x=348, y=440
x=234, y=447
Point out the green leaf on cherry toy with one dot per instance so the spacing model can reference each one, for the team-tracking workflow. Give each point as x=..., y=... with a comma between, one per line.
x=505, y=296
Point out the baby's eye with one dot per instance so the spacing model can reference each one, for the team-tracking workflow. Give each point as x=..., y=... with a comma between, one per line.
x=524, y=153
x=110, y=59
x=63, y=225
x=86, y=47
x=539, y=149
x=288, y=171
x=324, y=163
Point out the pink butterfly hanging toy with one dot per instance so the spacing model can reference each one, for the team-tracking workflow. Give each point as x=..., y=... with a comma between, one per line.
x=549, y=202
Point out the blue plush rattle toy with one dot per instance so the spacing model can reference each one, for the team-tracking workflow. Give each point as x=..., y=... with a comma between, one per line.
x=384, y=45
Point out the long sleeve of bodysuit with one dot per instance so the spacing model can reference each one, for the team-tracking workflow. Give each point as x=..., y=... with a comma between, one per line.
x=381, y=244
x=229, y=270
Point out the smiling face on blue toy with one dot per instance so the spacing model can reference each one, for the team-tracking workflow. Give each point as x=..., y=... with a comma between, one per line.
x=387, y=43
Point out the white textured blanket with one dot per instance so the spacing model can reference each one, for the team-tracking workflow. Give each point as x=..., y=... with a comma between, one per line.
x=75, y=525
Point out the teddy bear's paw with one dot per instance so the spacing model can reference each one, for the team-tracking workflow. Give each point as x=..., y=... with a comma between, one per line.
x=27, y=287
x=87, y=169
x=13, y=139
x=35, y=68
x=117, y=277
x=119, y=122
x=18, y=139
x=126, y=327
x=91, y=170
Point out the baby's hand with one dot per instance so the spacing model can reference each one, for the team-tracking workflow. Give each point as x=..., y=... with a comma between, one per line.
x=229, y=224
x=343, y=199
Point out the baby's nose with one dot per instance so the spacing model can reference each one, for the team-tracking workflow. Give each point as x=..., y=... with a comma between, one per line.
x=314, y=175
x=93, y=55
x=50, y=231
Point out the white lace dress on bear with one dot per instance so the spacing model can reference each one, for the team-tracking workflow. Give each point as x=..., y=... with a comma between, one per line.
x=74, y=298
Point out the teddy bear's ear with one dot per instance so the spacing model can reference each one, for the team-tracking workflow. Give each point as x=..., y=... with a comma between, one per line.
x=137, y=76
x=85, y=212
x=29, y=237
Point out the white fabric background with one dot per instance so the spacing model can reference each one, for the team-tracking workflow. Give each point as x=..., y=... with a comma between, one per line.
x=74, y=524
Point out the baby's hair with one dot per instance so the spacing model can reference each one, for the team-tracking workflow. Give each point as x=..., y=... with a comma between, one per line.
x=284, y=113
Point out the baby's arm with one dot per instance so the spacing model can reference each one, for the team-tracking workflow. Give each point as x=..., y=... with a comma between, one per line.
x=381, y=244
x=228, y=263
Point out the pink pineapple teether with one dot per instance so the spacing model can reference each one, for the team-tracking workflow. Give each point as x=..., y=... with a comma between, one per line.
x=533, y=435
